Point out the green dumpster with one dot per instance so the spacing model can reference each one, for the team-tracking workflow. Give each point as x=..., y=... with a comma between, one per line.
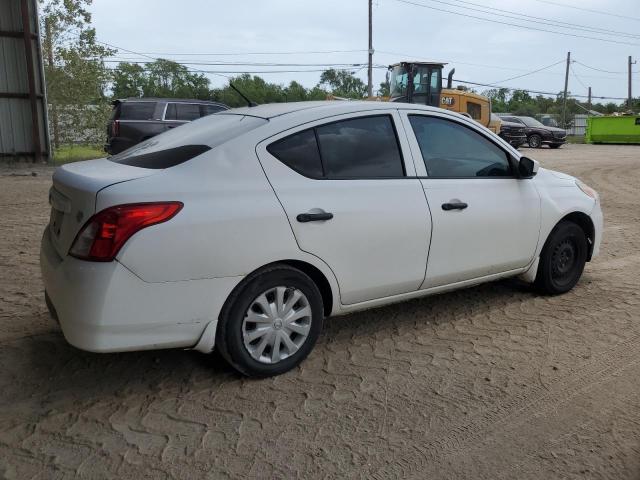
x=625, y=129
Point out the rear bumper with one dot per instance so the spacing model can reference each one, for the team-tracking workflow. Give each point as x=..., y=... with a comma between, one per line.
x=104, y=307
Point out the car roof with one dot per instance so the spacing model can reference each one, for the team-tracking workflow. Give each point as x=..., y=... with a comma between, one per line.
x=322, y=108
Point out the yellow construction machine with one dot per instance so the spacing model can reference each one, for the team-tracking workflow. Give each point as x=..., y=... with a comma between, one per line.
x=421, y=83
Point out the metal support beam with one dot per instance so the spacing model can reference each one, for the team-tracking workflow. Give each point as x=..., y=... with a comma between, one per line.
x=7, y=34
x=33, y=95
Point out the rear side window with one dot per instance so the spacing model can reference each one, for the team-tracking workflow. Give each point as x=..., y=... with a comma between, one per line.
x=185, y=112
x=299, y=152
x=209, y=109
x=137, y=110
x=364, y=147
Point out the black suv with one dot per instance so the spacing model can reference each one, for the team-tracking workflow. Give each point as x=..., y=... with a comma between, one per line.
x=136, y=119
x=537, y=133
x=514, y=133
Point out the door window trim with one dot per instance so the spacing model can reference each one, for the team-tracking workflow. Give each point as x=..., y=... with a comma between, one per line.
x=315, y=126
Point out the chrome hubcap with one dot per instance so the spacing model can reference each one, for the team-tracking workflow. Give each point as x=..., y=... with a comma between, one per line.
x=276, y=324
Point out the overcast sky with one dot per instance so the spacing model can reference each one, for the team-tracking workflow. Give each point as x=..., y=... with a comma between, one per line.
x=480, y=51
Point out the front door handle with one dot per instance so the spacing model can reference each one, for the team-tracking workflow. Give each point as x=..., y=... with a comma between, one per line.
x=454, y=206
x=314, y=217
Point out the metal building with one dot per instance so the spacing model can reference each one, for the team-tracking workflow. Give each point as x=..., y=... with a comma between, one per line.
x=23, y=115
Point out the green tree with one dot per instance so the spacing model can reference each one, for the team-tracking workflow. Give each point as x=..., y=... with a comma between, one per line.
x=129, y=80
x=164, y=78
x=76, y=76
x=342, y=83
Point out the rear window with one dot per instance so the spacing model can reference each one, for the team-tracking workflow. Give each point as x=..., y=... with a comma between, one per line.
x=136, y=110
x=185, y=142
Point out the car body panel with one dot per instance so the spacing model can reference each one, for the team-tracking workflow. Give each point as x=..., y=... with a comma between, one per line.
x=170, y=281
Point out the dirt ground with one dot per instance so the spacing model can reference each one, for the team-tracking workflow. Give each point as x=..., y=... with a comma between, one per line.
x=492, y=382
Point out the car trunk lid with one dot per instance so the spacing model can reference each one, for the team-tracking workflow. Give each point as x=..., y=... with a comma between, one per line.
x=73, y=195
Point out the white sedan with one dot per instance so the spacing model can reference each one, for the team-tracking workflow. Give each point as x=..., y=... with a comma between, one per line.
x=243, y=230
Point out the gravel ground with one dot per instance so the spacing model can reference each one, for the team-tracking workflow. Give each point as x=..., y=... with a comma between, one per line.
x=491, y=382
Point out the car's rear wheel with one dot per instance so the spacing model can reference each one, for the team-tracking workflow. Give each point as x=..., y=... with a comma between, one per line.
x=271, y=322
x=535, y=141
x=562, y=259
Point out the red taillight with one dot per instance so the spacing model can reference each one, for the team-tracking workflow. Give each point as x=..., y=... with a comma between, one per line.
x=115, y=130
x=107, y=231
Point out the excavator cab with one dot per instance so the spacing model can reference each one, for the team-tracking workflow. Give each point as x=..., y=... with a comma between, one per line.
x=421, y=83
x=416, y=82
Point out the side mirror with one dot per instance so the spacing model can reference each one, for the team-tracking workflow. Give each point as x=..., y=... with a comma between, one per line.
x=527, y=167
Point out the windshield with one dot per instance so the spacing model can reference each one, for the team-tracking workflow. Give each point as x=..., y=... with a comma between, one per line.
x=398, y=82
x=531, y=122
x=426, y=84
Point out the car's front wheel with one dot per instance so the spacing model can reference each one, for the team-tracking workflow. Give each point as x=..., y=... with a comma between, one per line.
x=271, y=322
x=562, y=259
x=535, y=141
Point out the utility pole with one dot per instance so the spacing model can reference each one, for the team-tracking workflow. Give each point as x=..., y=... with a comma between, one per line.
x=589, y=101
x=566, y=86
x=370, y=69
x=630, y=102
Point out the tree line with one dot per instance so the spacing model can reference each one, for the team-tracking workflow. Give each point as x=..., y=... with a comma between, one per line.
x=80, y=85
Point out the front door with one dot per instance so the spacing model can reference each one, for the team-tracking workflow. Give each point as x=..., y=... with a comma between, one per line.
x=485, y=219
x=354, y=202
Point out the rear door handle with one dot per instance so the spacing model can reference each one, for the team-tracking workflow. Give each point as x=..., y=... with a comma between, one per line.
x=314, y=217
x=454, y=206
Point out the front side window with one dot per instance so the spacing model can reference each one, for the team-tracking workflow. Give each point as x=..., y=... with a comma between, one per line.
x=209, y=109
x=364, y=147
x=451, y=150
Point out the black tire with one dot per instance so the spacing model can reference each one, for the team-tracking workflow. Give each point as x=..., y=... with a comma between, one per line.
x=555, y=145
x=562, y=259
x=535, y=141
x=229, y=336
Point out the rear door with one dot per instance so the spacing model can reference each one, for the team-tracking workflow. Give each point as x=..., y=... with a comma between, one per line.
x=353, y=201
x=485, y=220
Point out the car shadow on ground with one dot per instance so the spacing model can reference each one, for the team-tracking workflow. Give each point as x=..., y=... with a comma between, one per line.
x=44, y=370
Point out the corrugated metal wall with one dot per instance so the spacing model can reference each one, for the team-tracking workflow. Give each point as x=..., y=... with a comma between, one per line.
x=21, y=93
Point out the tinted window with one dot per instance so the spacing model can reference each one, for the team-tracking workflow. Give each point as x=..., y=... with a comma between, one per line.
x=299, y=152
x=163, y=158
x=209, y=109
x=137, y=110
x=451, y=150
x=362, y=147
x=475, y=110
x=182, y=111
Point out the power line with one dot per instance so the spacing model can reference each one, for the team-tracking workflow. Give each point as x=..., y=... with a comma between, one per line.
x=558, y=4
x=253, y=64
x=577, y=78
x=601, y=70
x=544, y=21
x=238, y=54
x=533, y=91
x=408, y=2
x=530, y=73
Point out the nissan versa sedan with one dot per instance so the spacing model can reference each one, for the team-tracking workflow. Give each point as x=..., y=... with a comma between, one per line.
x=243, y=230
